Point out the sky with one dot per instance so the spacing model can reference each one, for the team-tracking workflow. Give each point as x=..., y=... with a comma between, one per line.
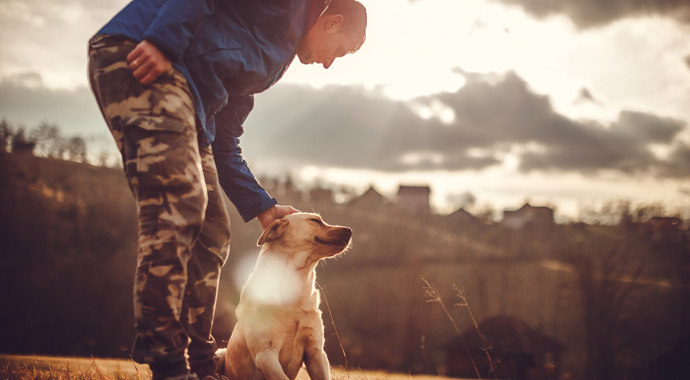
x=571, y=104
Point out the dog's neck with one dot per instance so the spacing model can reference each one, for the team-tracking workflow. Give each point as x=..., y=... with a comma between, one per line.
x=277, y=279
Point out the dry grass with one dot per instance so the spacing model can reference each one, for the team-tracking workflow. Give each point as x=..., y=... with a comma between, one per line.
x=61, y=368
x=17, y=367
x=13, y=367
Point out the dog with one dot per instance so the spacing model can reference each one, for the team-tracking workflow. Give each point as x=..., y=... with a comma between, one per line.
x=279, y=325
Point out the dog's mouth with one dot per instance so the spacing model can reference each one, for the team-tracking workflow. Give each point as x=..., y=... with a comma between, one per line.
x=336, y=238
x=321, y=241
x=336, y=242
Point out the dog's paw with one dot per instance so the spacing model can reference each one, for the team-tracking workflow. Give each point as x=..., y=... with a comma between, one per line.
x=219, y=360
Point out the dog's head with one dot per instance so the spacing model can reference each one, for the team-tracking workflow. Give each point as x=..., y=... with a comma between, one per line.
x=306, y=231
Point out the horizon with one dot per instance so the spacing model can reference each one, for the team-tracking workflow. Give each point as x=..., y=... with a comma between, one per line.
x=607, y=214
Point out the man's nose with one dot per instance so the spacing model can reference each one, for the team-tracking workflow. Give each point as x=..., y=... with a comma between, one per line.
x=328, y=63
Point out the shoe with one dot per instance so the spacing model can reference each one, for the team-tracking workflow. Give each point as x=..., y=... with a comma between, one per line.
x=219, y=360
x=211, y=377
x=190, y=376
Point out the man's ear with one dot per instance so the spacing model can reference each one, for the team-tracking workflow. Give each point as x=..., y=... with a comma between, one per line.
x=274, y=231
x=334, y=21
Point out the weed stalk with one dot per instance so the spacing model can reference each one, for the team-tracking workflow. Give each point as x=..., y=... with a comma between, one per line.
x=433, y=294
x=347, y=367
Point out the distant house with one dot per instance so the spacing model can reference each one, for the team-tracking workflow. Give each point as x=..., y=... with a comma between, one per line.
x=665, y=223
x=414, y=199
x=284, y=189
x=517, y=351
x=318, y=194
x=662, y=228
x=462, y=216
x=370, y=199
x=23, y=147
x=528, y=216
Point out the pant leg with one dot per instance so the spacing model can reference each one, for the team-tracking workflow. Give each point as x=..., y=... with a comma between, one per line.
x=208, y=255
x=155, y=130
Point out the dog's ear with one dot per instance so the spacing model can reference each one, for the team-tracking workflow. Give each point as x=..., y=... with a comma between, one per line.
x=274, y=231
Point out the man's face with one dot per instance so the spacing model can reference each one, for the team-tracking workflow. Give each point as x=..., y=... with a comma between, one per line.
x=325, y=42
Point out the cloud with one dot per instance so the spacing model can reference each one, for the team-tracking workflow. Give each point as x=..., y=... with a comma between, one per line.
x=585, y=96
x=50, y=37
x=594, y=13
x=24, y=100
x=497, y=119
x=505, y=116
x=679, y=161
x=37, y=12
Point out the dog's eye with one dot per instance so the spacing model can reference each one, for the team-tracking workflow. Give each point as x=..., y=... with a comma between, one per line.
x=318, y=221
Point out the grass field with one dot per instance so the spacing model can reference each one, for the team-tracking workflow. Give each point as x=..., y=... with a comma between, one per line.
x=16, y=367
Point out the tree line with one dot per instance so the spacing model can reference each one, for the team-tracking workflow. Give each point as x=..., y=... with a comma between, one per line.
x=46, y=140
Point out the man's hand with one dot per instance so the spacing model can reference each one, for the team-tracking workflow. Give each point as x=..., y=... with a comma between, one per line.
x=273, y=213
x=147, y=62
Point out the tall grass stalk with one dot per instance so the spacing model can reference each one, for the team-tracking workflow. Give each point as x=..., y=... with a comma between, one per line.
x=486, y=346
x=323, y=292
x=433, y=294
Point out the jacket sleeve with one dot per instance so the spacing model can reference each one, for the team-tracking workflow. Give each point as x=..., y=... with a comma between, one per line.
x=175, y=24
x=234, y=175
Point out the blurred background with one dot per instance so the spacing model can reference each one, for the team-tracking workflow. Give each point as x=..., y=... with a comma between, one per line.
x=522, y=165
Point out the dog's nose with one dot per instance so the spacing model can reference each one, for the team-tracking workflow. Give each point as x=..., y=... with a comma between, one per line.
x=348, y=230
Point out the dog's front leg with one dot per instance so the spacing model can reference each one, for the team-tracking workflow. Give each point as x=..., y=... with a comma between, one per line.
x=317, y=365
x=267, y=362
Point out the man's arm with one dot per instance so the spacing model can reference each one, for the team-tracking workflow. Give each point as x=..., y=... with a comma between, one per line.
x=167, y=37
x=250, y=199
x=276, y=212
x=176, y=23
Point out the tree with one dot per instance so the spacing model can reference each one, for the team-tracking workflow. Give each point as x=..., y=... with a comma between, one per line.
x=49, y=143
x=76, y=150
x=608, y=270
x=21, y=143
x=5, y=135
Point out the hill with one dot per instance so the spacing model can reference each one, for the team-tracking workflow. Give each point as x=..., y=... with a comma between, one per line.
x=68, y=241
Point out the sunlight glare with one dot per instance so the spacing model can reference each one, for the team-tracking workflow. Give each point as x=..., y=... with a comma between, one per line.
x=410, y=51
x=243, y=269
x=661, y=152
x=434, y=109
x=416, y=158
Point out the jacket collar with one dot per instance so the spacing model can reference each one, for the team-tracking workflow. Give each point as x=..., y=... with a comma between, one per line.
x=316, y=8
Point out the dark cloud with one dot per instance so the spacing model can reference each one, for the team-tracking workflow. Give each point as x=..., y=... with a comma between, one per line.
x=585, y=96
x=679, y=162
x=494, y=116
x=25, y=100
x=351, y=127
x=593, y=13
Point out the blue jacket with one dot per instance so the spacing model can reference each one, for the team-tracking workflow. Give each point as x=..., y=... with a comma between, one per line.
x=228, y=50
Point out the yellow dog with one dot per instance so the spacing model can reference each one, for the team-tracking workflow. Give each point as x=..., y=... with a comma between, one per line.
x=279, y=324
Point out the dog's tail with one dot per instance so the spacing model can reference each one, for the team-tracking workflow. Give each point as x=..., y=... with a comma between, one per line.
x=219, y=359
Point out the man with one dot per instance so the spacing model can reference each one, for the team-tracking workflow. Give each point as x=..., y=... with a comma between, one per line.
x=174, y=80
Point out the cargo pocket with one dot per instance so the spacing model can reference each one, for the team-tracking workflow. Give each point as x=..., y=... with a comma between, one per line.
x=164, y=105
x=161, y=158
x=164, y=148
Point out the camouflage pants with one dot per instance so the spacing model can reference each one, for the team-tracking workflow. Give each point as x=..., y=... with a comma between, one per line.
x=184, y=230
